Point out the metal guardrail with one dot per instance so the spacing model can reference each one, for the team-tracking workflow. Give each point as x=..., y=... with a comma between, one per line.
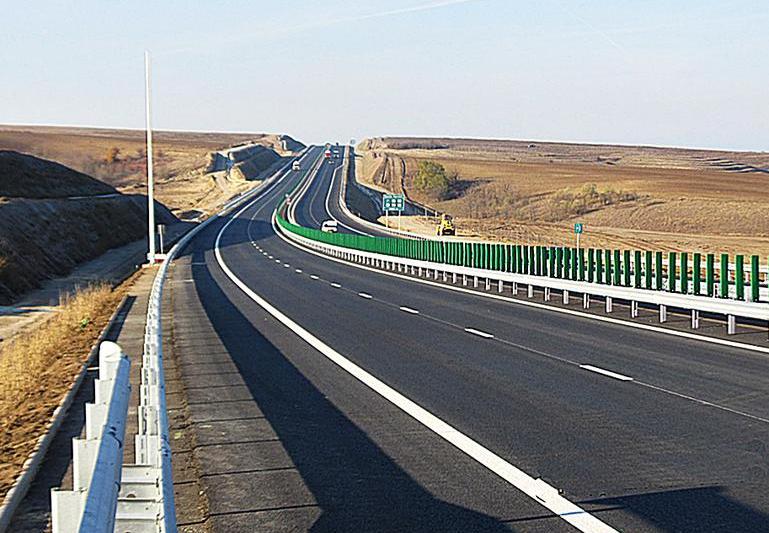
x=731, y=309
x=98, y=458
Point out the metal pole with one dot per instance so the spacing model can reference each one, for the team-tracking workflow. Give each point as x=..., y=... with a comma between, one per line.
x=150, y=171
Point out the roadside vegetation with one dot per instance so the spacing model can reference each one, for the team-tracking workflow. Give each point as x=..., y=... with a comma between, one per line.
x=37, y=369
x=433, y=181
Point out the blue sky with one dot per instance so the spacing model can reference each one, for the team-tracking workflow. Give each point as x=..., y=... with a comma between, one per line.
x=681, y=73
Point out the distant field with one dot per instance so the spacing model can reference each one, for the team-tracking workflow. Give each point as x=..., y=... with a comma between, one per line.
x=634, y=197
x=117, y=158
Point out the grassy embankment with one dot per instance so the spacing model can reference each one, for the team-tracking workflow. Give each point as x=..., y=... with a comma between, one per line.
x=38, y=368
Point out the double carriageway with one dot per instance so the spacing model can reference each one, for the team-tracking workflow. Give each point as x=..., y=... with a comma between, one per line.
x=330, y=397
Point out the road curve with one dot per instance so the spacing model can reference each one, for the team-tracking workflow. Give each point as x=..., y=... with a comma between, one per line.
x=643, y=431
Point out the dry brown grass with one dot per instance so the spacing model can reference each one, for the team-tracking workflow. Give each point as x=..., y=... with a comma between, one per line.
x=646, y=198
x=37, y=369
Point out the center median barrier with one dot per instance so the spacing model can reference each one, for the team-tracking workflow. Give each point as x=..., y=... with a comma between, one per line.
x=623, y=275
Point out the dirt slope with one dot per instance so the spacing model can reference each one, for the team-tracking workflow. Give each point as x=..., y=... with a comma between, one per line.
x=43, y=237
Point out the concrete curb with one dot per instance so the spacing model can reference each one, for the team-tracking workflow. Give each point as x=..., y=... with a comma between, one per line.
x=29, y=469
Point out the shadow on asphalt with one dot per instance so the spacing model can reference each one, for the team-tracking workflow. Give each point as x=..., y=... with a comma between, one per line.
x=356, y=485
x=687, y=511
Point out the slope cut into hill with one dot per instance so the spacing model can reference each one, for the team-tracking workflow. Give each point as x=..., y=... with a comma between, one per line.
x=26, y=176
x=52, y=218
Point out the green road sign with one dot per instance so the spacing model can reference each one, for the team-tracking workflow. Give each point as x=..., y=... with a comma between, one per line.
x=393, y=202
x=579, y=228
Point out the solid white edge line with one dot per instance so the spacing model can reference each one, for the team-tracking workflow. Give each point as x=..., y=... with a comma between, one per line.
x=536, y=489
x=408, y=310
x=609, y=373
x=479, y=333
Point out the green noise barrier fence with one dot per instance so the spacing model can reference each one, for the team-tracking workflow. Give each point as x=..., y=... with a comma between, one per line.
x=635, y=269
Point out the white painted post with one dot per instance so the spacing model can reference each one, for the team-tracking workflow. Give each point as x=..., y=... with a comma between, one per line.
x=488, y=284
x=531, y=291
x=695, y=319
x=566, y=295
x=501, y=286
x=150, y=169
x=731, y=324
x=663, y=313
x=547, y=294
x=609, y=304
x=586, y=301
x=475, y=282
x=634, y=309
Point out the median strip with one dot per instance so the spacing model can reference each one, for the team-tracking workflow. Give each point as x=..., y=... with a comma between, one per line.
x=479, y=333
x=609, y=373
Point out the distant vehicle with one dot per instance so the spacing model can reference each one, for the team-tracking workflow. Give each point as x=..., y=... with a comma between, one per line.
x=296, y=166
x=328, y=154
x=329, y=226
x=446, y=226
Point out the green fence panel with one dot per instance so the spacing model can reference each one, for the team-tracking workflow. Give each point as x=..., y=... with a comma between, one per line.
x=581, y=269
x=559, y=262
x=723, y=276
x=672, y=272
x=567, y=263
x=710, y=275
x=697, y=274
x=684, y=273
x=754, y=292
x=626, y=267
x=617, y=266
x=599, y=268
x=610, y=266
x=591, y=265
x=739, y=276
x=658, y=270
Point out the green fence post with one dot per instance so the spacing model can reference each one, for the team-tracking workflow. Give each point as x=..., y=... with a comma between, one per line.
x=723, y=276
x=684, y=273
x=609, y=267
x=710, y=275
x=739, y=276
x=753, y=278
x=581, y=259
x=658, y=270
x=599, y=266
x=567, y=263
x=574, y=263
x=672, y=272
x=540, y=261
x=558, y=262
x=591, y=265
x=617, y=266
x=697, y=274
x=626, y=267
x=648, y=269
x=637, y=283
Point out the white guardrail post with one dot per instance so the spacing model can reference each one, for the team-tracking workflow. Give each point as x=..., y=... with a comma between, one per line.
x=97, y=459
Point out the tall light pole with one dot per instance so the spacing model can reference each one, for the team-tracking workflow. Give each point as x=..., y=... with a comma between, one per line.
x=150, y=173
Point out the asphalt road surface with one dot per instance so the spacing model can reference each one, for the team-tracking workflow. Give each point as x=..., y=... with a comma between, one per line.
x=642, y=431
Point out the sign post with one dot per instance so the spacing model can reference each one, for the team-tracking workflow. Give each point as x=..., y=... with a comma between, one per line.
x=393, y=202
x=579, y=227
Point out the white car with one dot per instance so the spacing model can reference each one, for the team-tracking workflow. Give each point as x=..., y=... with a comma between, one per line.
x=329, y=226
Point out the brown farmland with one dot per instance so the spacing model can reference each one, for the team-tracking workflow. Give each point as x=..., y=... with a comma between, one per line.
x=631, y=197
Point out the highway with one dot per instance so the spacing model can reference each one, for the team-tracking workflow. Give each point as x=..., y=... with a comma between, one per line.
x=334, y=423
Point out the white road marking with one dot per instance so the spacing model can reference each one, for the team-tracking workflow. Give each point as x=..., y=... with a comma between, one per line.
x=609, y=373
x=286, y=265
x=335, y=285
x=408, y=310
x=479, y=333
x=313, y=276
x=270, y=257
x=298, y=270
x=277, y=260
x=364, y=295
x=536, y=489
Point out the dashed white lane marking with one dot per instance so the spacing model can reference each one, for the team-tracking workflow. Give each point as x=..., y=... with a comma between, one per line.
x=609, y=373
x=313, y=276
x=408, y=310
x=364, y=295
x=286, y=265
x=479, y=333
x=335, y=285
x=537, y=489
x=270, y=257
x=298, y=270
x=277, y=260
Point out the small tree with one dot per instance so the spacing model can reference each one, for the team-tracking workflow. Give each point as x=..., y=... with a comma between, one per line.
x=432, y=179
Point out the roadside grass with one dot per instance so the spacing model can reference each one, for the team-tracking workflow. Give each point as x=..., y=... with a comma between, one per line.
x=38, y=367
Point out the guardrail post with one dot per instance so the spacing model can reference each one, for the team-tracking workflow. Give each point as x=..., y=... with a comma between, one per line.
x=609, y=304
x=697, y=273
x=547, y=293
x=684, y=273
x=565, y=299
x=634, y=309
x=695, y=319
x=530, y=291
x=754, y=293
x=672, y=272
x=586, y=301
x=663, y=313
x=723, y=276
x=731, y=324
x=739, y=276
